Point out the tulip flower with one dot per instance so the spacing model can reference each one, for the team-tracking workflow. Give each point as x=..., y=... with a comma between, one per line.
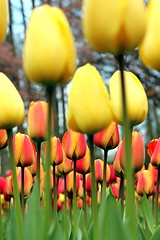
x=83, y=164
x=3, y=138
x=116, y=26
x=37, y=120
x=153, y=171
x=88, y=93
x=116, y=163
x=153, y=150
x=69, y=182
x=28, y=180
x=66, y=166
x=74, y=144
x=2, y=184
x=49, y=53
x=3, y=20
x=12, y=112
x=24, y=150
x=138, y=152
x=56, y=151
x=145, y=183
x=149, y=50
x=99, y=164
x=107, y=138
x=136, y=99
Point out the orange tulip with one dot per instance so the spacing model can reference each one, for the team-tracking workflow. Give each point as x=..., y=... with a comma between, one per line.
x=3, y=138
x=116, y=163
x=66, y=166
x=145, y=183
x=99, y=164
x=37, y=120
x=138, y=152
x=154, y=153
x=69, y=182
x=56, y=151
x=74, y=144
x=28, y=180
x=83, y=164
x=107, y=138
x=24, y=150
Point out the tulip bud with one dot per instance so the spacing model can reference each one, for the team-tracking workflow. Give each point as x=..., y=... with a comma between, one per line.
x=28, y=181
x=24, y=150
x=3, y=19
x=145, y=183
x=3, y=138
x=153, y=171
x=136, y=99
x=2, y=184
x=113, y=26
x=107, y=138
x=12, y=112
x=56, y=151
x=49, y=53
x=138, y=152
x=69, y=181
x=112, y=178
x=151, y=146
x=83, y=164
x=66, y=166
x=149, y=50
x=116, y=163
x=74, y=144
x=88, y=93
x=153, y=149
x=37, y=120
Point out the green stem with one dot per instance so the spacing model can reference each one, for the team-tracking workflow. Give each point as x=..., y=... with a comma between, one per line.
x=22, y=186
x=156, y=198
x=74, y=199
x=121, y=193
x=47, y=193
x=104, y=175
x=93, y=187
x=15, y=186
x=1, y=225
x=55, y=190
x=65, y=206
x=38, y=165
x=130, y=206
x=55, y=113
x=84, y=203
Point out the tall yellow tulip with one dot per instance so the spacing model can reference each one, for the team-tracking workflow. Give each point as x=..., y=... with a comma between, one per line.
x=149, y=49
x=3, y=19
x=136, y=99
x=114, y=26
x=12, y=112
x=49, y=53
x=89, y=105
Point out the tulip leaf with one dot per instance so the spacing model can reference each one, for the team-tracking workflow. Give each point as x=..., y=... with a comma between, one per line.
x=156, y=234
x=147, y=212
x=110, y=221
x=33, y=218
x=56, y=231
x=13, y=224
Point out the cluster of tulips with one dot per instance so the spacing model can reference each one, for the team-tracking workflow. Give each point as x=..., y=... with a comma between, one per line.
x=63, y=173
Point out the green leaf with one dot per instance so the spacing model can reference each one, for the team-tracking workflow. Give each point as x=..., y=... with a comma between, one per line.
x=33, y=218
x=56, y=231
x=156, y=234
x=110, y=224
x=147, y=212
x=13, y=234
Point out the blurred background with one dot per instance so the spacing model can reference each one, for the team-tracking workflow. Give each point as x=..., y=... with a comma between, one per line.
x=11, y=52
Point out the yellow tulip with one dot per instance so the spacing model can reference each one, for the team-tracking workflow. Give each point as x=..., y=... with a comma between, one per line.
x=149, y=49
x=12, y=112
x=3, y=19
x=137, y=104
x=89, y=106
x=49, y=53
x=114, y=26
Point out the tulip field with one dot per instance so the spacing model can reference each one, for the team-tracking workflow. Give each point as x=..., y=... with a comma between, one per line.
x=68, y=187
